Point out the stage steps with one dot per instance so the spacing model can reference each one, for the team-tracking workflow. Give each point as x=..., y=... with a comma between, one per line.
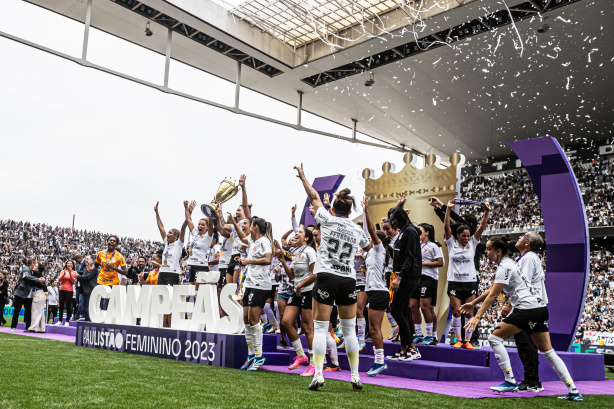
x=444, y=363
x=55, y=329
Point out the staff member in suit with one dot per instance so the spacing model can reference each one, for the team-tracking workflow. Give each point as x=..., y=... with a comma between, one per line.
x=88, y=281
x=22, y=289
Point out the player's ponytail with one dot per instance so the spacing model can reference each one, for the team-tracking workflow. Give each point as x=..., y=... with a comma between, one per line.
x=344, y=203
x=501, y=243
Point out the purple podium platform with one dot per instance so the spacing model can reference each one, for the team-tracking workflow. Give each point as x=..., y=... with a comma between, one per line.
x=55, y=329
x=444, y=363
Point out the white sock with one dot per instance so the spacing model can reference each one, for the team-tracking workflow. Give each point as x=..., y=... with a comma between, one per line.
x=362, y=324
x=561, y=369
x=417, y=329
x=320, y=328
x=249, y=339
x=276, y=309
x=379, y=356
x=263, y=319
x=298, y=347
x=429, y=329
x=468, y=334
x=269, y=314
x=435, y=334
x=456, y=327
x=257, y=331
x=351, y=343
x=311, y=360
x=331, y=347
x=502, y=357
x=391, y=320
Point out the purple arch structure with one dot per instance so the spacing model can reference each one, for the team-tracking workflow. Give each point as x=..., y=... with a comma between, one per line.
x=326, y=184
x=566, y=229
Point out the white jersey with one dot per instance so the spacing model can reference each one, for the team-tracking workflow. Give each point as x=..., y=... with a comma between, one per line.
x=236, y=241
x=274, y=264
x=376, y=274
x=531, y=267
x=171, y=257
x=300, y=266
x=226, y=253
x=517, y=288
x=211, y=256
x=461, y=268
x=199, y=246
x=257, y=276
x=341, y=238
x=430, y=253
x=359, y=261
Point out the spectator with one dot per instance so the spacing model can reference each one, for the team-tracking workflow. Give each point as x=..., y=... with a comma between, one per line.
x=67, y=278
x=38, y=300
x=78, y=311
x=4, y=296
x=24, y=285
x=52, y=300
x=88, y=282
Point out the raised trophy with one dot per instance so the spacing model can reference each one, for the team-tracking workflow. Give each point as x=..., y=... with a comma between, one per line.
x=224, y=193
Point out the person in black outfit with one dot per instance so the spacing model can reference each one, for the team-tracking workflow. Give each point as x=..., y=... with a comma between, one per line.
x=22, y=289
x=136, y=268
x=4, y=296
x=469, y=220
x=88, y=281
x=407, y=265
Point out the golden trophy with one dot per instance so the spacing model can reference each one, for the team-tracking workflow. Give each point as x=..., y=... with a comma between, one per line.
x=224, y=193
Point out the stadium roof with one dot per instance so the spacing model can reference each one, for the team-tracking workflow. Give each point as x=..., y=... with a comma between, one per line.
x=449, y=75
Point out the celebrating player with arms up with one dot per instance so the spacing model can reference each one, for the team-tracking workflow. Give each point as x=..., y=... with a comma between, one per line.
x=336, y=278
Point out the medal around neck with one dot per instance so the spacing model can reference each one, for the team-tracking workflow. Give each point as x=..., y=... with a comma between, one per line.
x=226, y=191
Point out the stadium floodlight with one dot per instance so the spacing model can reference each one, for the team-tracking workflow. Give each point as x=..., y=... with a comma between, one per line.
x=544, y=26
x=369, y=82
x=148, y=31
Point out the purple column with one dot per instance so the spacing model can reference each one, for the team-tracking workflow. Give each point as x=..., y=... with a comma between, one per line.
x=327, y=184
x=566, y=229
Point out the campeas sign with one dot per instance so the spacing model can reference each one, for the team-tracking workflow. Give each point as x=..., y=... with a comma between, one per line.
x=149, y=304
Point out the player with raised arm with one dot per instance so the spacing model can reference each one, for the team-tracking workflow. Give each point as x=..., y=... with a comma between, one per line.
x=530, y=315
x=376, y=288
x=199, y=244
x=257, y=285
x=336, y=278
x=462, y=275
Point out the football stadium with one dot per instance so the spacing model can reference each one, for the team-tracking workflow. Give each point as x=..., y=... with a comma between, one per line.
x=315, y=203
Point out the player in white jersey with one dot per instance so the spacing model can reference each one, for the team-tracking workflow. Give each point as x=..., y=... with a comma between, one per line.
x=336, y=278
x=257, y=285
x=393, y=235
x=531, y=268
x=424, y=297
x=462, y=276
x=170, y=270
x=199, y=244
x=529, y=315
x=378, y=298
x=300, y=302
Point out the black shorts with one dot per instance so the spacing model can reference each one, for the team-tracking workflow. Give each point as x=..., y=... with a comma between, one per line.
x=273, y=291
x=427, y=288
x=222, y=281
x=194, y=270
x=535, y=320
x=254, y=297
x=330, y=288
x=303, y=302
x=360, y=288
x=462, y=290
x=234, y=263
x=378, y=300
x=168, y=279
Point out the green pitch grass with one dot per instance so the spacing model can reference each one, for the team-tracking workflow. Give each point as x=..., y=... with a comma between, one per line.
x=39, y=373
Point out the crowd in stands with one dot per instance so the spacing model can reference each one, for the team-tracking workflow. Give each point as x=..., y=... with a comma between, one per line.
x=515, y=204
x=53, y=246
x=599, y=307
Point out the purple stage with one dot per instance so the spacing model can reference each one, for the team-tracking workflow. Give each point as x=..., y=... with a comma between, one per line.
x=427, y=374
x=444, y=363
x=461, y=389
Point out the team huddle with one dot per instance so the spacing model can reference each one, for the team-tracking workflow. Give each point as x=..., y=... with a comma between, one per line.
x=338, y=275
